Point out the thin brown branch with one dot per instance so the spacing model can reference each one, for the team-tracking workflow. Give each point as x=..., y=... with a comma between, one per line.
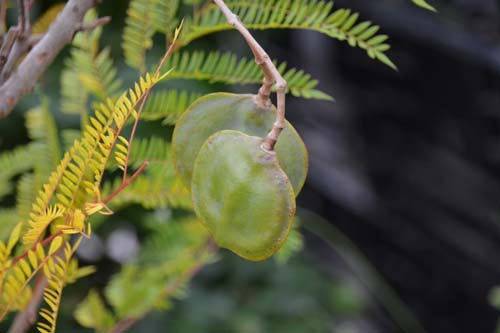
x=8, y=43
x=60, y=33
x=92, y=25
x=27, y=318
x=24, y=18
x=271, y=76
x=45, y=242
x=18, y=50
x=143, y=103
x=3, y=15
x=126, y=183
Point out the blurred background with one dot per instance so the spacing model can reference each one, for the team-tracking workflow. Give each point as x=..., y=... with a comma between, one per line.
x=401, y=210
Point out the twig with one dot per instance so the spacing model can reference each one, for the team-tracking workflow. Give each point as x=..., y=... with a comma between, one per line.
x=144, y=100
x=3, y=14
x=126, y=183
x=27, y=318
x=24, y=18
x=97, y=23
x=45, y=242
x=7, y=45
x=271, y=76
x=60, y=33
x=20, y=47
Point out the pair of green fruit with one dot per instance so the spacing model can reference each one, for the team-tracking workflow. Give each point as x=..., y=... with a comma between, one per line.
x=244, y=194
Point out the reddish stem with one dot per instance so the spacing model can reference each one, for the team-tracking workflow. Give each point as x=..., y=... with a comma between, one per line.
x=132, y=134
x=126, y=183
x=145, y=98
x=46, y=241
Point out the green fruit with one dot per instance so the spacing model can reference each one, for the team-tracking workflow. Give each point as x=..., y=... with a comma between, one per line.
x=224, y=111
x=243, y=196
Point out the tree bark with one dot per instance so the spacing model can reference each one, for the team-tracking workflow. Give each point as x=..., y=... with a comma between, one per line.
x=60, y=33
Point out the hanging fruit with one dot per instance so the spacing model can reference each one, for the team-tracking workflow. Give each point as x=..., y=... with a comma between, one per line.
x=243, y=196
x=225, y=111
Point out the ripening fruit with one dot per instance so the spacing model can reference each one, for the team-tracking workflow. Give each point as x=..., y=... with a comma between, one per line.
x=243, y=196
x=224, y=111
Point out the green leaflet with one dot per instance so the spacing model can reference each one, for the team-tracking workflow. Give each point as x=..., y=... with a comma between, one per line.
x=340, y=24
x=424, y=4
x=229, y=68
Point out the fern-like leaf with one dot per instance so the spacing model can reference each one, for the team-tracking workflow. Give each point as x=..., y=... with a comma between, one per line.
x=42, y=130
x=56, y=271
x=22, y=273
x=121, y=152
x=158, y=185
x=168, y=105
x=228, y=68
x=144, y=17
x=46, y=194
x=164, y=20
x=160, y=276
x=12, y=163
x=9, y=218
x=341, y=24
x=26, y=193
x=76, y=179
x=89, y=71
x=40, y=222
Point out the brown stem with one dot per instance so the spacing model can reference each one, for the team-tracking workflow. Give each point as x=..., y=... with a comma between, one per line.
x=60, y=33
x=3, y=14
x=92, y=25
x=24, y=17
x=132, y=136
x=27, y=318
x=141, y=108
x=20, y=47
x=271, y=76
x=45, y=242
x=8, y=42
x=126, y=183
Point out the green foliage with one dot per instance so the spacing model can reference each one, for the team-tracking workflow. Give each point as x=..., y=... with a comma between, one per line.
x=293, y=244
x=144, y=19
x=232, y=296
x=175, y=252
x=424, y=4
x=341, y=24
x=9, y=219
x=228, y=68
x=168, y=105
x=92, y=313
x=88, y=72
x=159, y=185
x=13, y=163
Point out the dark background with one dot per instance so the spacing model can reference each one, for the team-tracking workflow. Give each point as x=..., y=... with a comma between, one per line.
x=407, y=163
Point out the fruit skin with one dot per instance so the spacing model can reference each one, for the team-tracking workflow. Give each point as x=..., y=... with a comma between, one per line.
x=242, y=195
x=225, y=111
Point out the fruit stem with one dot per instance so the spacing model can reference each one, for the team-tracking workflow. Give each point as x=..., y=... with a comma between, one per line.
x=271, y=76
